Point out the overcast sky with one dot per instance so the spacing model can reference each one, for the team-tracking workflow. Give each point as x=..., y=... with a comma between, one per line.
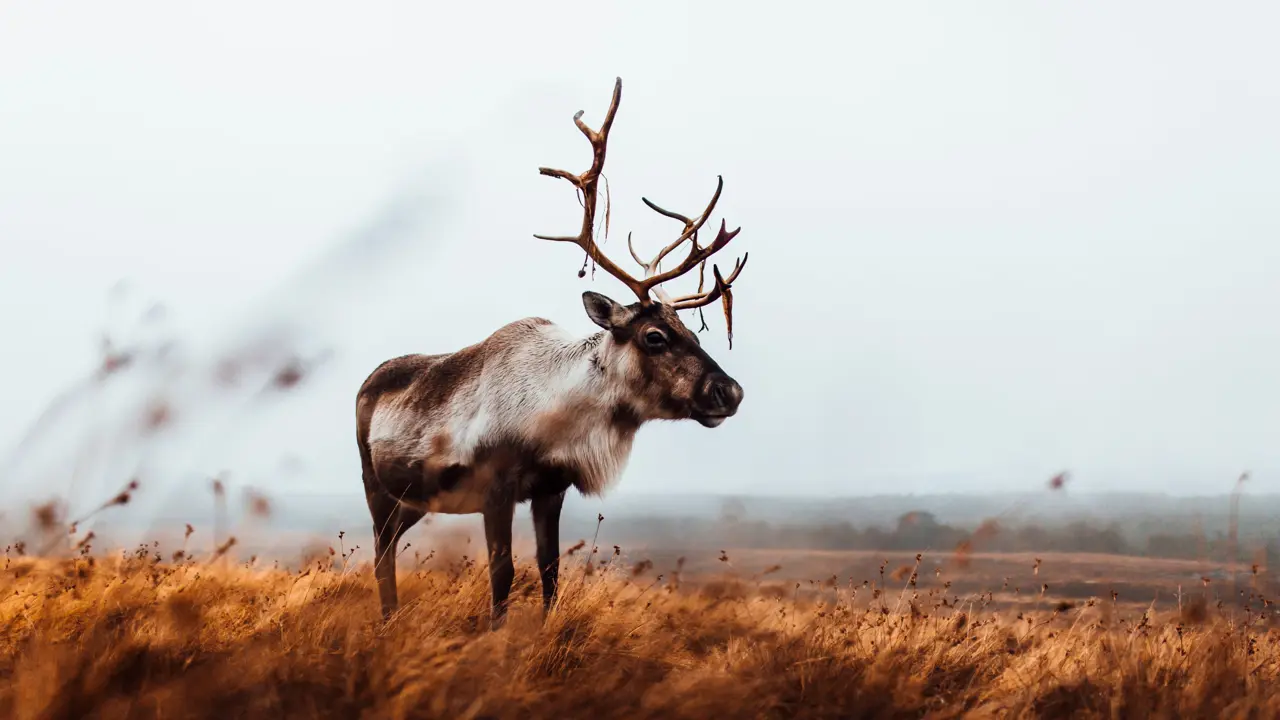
x=988, y=242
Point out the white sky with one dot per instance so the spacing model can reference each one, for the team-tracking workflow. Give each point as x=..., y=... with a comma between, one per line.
x=988, y=241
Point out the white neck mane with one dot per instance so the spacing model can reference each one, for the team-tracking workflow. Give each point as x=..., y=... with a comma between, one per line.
x=551, y=390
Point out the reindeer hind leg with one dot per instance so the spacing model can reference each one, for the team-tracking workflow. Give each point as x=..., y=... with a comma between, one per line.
x=391, y=521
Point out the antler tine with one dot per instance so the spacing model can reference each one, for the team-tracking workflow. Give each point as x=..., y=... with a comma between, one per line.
x=649, y=269
x=690, y=226
x=699, y=299
x=697, y=255
x=587, y=182
x=722, y=291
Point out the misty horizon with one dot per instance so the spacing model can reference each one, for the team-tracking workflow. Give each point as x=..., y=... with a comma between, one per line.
x=986, y=249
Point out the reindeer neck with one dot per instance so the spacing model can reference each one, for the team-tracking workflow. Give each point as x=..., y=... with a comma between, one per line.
x=606, y=363
x=589, y=426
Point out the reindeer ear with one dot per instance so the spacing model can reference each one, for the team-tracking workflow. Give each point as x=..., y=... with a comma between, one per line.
x=604, y=312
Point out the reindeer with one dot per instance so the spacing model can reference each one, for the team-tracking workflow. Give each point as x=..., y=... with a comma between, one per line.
x=531, y=410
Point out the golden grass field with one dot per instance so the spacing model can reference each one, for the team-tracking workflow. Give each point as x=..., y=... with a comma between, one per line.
x=143, y=636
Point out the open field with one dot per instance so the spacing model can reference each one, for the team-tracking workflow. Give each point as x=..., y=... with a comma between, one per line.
x=1025, y=580
x=128, y=636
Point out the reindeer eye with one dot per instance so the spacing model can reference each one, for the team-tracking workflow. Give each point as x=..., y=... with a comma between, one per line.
x=655, y=339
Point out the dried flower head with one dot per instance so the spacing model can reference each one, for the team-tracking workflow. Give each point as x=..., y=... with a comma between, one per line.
x=259, y=504
x=49, y=515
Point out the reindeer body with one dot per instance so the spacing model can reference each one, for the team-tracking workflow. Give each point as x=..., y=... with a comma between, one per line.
x=530, y=391
x=521, y=416
x=531, y=410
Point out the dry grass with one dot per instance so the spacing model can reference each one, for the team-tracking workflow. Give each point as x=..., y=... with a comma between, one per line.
x=134, y=637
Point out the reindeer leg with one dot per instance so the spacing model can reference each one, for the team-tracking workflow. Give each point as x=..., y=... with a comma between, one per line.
x=502, y=571
x=546, y=528
x=382, y=507
x=391, y=521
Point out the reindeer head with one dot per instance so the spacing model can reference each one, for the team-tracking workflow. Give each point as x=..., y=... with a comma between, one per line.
x=671, y=376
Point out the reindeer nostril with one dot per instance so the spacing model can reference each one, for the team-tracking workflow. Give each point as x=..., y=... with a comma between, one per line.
x=720, y=394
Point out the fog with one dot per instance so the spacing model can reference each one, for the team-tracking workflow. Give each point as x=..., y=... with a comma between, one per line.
x=987, y=245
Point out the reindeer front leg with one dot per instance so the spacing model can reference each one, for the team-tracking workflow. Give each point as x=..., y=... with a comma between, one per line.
x=497, y=535
x=546, y=528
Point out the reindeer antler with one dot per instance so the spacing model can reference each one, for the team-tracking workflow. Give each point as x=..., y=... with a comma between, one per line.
x=697, y=256
x=691, y=228
x=587, y=183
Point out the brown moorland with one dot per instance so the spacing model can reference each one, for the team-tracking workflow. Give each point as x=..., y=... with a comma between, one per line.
x=142, y=636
